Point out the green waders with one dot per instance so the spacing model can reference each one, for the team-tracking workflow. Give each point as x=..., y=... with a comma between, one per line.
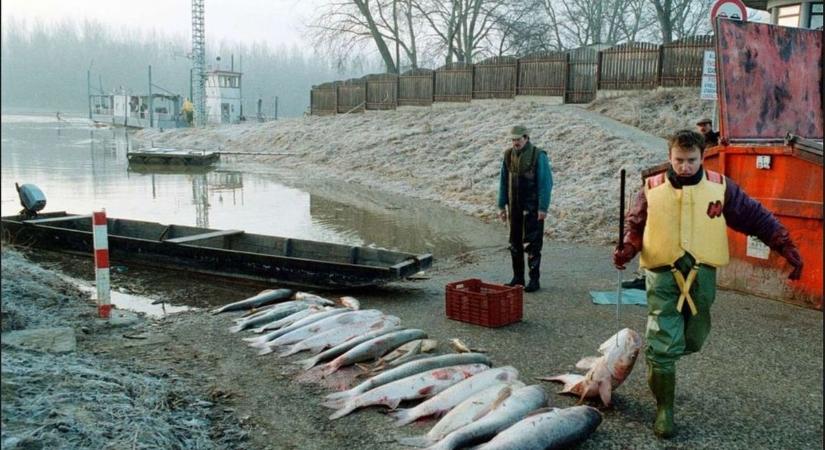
x=672, y=333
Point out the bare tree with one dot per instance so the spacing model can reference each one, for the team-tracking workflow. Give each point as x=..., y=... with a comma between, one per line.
x=345, y=26
x=461, y=26
x=584, y=22
x=680, y=17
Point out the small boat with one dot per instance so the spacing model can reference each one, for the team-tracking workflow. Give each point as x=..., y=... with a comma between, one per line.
x=171, y=156
x=226, y=253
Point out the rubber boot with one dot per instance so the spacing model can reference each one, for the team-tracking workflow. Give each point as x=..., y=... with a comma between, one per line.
x=663, y=386
x=533, y=263
x=518, y=268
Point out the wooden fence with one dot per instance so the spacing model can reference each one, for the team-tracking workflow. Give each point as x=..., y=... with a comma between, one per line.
x=454, y=83
x=575, y=75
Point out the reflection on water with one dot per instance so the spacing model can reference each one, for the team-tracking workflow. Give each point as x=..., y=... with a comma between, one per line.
x=82, y=168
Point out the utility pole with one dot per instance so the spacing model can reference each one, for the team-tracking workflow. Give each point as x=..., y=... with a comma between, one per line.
x=89, y=91
x=199, y=62
x=151, y=106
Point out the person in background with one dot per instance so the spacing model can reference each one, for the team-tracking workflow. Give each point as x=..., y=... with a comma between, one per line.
x=525, y=184
x=188, y=111
x=679, y=224
x=705, y=128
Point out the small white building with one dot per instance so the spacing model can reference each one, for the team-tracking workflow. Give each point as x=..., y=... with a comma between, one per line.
x=223, y=97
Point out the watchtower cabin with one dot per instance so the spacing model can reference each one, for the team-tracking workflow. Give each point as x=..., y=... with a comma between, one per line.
x=223, y=97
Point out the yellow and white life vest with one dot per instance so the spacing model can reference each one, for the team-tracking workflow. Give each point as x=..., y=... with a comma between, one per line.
x=685, y=220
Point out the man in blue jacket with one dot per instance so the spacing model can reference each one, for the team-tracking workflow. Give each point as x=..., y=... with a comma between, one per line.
x=524, y=186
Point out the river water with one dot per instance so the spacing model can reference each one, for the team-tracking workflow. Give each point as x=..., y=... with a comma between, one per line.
x=82, y=168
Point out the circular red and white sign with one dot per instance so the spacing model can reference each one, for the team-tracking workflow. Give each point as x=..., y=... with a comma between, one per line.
x=730, y=9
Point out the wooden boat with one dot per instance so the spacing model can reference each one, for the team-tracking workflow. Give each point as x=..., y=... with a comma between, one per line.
x=226, y=253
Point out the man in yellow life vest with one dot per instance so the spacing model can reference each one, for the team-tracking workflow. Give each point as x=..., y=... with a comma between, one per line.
x=678, y=222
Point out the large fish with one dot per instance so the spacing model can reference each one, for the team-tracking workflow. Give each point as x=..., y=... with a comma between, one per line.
x=263, y=298
x=335, y=336
x=517, y=406
x=551, y=430
x=276, y=313
x=337, y=399
x=288, y=320
x=342, y=348
x=313, y=328
x=420, y=385
x=471, y=409
x=263, y=340
x=373, y=349
x=604, y=373
x=451, y=397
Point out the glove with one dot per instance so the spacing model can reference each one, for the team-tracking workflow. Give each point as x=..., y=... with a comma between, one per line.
x=623, y=254
x=791, y=254
x=781, y=242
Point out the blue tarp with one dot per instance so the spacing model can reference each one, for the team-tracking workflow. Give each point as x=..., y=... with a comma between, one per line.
x=629, y=297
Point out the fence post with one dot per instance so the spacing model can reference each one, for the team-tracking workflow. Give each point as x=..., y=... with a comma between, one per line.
x=660, y=64
x=599, y=70
x=566, y=76
x=335, y=90
x=101, y=248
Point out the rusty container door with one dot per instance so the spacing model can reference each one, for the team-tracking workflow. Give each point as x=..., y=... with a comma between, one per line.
x=770, y=84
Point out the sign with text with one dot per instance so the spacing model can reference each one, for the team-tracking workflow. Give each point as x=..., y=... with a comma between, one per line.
x=708, y=89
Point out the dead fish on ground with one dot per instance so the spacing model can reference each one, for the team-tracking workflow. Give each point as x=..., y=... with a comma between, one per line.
x=373, y=348
x=335, y=336
x=606, y=372
x=420, y=385
x=550, y=429
x=308, y=328
x=340, y=349
x=445, y=401
x=278, y=312
x=337, y=399
x=461, y=347
x=514, y=408
x=470, y=410
x=263, y=298
x=263, y=340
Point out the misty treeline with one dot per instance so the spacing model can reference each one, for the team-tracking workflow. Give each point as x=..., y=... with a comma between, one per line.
x=44, y=67
x=408, y=34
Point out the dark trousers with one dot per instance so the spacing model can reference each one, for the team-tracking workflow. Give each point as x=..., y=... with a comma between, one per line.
x=526, y=236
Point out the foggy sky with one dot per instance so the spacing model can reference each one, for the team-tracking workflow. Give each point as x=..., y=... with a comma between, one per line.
x=275, y=22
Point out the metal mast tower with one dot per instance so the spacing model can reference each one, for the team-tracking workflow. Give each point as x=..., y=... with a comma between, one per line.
x=198, y=71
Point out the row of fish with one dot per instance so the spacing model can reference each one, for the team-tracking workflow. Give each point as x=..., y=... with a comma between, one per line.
x=476, y=402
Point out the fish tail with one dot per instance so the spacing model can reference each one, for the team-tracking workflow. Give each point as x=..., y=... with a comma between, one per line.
x=265, y=351
x=290, y=351
x=402, y=416
x=331, y=368
x=308, y=363
x=236, y=328
x=348, y=408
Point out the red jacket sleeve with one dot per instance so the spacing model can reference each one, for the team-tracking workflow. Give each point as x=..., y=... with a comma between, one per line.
x=748, y=216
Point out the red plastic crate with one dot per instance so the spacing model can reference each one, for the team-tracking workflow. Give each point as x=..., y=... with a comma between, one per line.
x=486, y=304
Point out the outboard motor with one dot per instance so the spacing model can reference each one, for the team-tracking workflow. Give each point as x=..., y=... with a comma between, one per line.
x=31, y=198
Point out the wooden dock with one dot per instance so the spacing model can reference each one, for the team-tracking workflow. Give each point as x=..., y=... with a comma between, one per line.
x=170, y=156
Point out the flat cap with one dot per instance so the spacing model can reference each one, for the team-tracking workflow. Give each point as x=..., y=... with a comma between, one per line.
x=519, y=131
x=703, y=120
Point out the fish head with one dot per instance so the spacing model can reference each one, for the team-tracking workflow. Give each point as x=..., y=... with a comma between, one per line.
x=621, y=352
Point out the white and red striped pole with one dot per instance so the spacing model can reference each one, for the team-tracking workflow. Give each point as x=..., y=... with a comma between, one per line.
x=101, y=243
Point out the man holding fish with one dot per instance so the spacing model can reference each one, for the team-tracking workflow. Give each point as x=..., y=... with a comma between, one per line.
x=679, y=224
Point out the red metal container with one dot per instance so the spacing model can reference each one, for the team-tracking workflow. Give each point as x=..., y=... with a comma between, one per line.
x=791, y=188
x=486, y=304
x=770, y=85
